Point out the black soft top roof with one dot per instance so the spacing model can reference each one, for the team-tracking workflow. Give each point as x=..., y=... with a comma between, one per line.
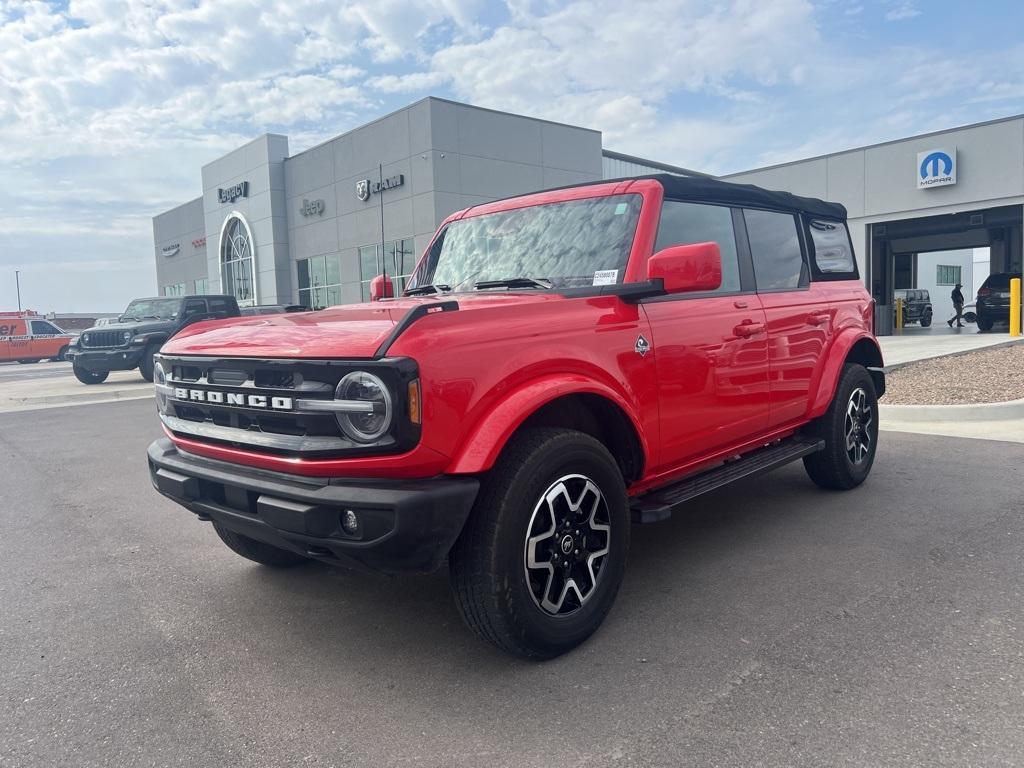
x=702, y=189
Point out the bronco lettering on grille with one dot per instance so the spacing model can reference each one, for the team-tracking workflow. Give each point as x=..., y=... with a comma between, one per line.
x=233, y=398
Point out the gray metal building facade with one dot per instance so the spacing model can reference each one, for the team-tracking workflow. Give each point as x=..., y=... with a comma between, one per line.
x=281, y=229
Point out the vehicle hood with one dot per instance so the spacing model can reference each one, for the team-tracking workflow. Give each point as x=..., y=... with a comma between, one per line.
x=353, y=331
x=142, y=326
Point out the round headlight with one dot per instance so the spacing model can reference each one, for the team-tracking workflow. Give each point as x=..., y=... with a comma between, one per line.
x=85, y=338
x=160, y=380
x=364, y=426
x=126, y=336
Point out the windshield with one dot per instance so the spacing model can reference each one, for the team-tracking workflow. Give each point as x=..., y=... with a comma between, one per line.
x=561, y=245
x=159, y=309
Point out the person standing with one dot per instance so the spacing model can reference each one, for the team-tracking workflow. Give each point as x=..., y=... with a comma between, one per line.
x=958, y=304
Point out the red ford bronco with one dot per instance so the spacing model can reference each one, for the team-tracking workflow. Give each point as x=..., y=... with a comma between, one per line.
x=559, y=366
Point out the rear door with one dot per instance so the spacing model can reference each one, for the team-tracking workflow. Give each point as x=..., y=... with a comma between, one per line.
x=47, y=339
x=710, y=348
x=798, y=313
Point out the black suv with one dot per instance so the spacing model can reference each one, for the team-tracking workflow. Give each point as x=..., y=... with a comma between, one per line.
x=994, y=300
x=139, y=333
x=917, y=307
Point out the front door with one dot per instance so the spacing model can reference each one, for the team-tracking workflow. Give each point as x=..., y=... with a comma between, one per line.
x=710, y=349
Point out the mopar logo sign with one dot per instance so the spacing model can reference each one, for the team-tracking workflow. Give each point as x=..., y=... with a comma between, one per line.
x=233, y=398
x=936, y=168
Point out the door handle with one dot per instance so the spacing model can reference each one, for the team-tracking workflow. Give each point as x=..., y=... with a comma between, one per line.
x=748, y=328
x=819, y=318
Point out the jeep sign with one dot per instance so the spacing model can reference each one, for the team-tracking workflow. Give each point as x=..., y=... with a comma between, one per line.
x=936, y=168
x=312, y=207
x=229, y=195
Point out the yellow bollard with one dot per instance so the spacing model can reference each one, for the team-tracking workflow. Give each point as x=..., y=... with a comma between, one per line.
x=899, y=313
x=1015, y=306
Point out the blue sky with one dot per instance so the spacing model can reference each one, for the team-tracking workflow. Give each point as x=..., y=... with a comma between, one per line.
x=109, y=108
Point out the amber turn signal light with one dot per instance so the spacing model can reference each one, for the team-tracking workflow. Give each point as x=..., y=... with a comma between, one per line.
x=414, y=402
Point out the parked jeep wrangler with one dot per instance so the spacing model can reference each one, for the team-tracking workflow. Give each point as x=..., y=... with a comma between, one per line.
x=136, y=336
x=917, y=306
x=559, y=365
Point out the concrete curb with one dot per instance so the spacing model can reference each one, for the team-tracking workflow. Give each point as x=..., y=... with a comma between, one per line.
x=103, y=395
x=959, y=353
x=1012, y=409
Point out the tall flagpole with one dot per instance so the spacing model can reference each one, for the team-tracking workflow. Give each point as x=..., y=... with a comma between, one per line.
x=17, y=279
x=380, y=194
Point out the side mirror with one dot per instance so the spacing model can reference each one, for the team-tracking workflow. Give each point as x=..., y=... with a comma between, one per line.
x=686, y=268
x=381, y=287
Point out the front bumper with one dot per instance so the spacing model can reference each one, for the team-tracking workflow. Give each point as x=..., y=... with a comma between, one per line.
x=114, y=359
x=406, y=525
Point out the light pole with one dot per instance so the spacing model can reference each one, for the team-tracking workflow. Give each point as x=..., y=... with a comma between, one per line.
x=17, y=285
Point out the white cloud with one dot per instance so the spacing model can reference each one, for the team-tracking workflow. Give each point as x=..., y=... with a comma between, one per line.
x=906, y=9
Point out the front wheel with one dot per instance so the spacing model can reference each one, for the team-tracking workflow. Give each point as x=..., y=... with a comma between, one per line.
x=61, y=356
x=146, y=362
x=850, y=430
x=89, y=377
x=539, y=563
x=926, y=320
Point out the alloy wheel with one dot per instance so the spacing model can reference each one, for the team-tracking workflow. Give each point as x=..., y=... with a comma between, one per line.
x=859, y=423
x=567, y=541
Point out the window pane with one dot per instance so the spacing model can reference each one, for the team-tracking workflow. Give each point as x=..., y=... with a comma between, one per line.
x=406, y=257
x=947, y=275
x=831, y=247
x=368, y=268
x=775, y=247
x=304, y=298
x=688, y=223
x=365, y=291
x=318, y=271
x=334, y=296
x=303, y=267
x=333, y=269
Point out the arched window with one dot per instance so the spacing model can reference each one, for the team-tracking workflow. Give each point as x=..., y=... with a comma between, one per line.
x=238, y=271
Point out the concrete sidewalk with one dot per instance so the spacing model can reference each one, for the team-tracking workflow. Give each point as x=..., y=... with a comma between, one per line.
x=923, y=344
x=31, y=394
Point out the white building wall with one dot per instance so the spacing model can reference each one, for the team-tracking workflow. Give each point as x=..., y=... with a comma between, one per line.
x=927, y=271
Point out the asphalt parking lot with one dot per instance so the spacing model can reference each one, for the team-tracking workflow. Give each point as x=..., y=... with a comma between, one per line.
x=775, y=624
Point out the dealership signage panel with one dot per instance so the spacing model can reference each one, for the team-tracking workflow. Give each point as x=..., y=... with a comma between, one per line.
x=936, y=167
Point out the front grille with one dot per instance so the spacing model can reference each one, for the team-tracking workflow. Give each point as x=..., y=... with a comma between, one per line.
x=100, y=339
x=287, y=430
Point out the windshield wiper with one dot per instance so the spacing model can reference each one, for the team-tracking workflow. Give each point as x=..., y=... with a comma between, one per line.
x=422, y=289
x=514, y=282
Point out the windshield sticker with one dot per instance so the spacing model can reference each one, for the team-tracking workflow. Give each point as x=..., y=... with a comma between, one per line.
x=606, y=277
x=620, y=209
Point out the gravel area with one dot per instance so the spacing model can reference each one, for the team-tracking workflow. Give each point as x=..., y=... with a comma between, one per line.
x=987, y=376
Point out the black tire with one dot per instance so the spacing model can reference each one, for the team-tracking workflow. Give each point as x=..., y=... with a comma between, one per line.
x=926, y=320
x=89, y=377
x=258, y=551
x=837, y=466
x=146, y=362
x=61, y=356
x=970, y=317
x=985, y=323
x=532, y=486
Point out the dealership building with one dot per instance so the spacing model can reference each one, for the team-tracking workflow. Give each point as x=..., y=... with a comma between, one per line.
x=314, y=228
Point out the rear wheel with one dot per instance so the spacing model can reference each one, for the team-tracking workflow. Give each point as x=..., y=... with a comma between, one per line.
x=539, y=563
x=850, y=430
x=89, y=377
x=985, y=323
x=258, y=551
x=146, y=362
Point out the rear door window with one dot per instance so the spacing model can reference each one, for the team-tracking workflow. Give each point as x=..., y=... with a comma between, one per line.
x=221, y=307
x=775, y=247
x=689, y=223
x=831, y=250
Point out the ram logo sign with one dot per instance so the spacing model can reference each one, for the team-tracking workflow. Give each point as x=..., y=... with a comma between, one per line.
x=936, y=168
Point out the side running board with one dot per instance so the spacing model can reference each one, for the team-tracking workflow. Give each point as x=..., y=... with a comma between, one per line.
x=659, y=504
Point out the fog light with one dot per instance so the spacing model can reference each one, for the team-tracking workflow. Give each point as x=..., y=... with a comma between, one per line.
x=350, y=522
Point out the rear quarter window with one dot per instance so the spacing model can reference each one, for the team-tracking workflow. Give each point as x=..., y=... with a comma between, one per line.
x=831, y=250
